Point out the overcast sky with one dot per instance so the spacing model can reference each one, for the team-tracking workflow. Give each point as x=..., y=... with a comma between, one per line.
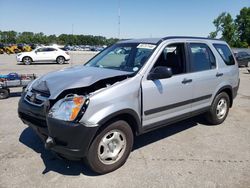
x=139, y=18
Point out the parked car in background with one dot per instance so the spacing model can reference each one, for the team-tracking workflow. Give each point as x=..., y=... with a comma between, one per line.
x=43, y=54
x=243, y=58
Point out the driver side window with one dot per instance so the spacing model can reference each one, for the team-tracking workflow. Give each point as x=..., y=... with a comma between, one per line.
x=173, y=56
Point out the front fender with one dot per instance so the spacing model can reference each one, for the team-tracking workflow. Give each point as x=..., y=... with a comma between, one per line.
x=119, y=98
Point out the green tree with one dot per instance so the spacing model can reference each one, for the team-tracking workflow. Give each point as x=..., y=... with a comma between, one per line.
x=26, y=37
x=51, y=39
x=41, y=38
x=8, y=36
x=225, y=25
x=243, y=25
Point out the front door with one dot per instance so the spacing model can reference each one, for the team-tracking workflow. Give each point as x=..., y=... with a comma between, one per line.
x=164, y=100
x=41, y=54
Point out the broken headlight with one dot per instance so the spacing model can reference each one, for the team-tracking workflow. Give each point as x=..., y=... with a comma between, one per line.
x=69, y=108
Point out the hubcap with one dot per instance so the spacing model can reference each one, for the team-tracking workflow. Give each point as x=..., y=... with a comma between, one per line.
x=112, y=147
x=221, y=108
x=27, y=60
x=60, y=60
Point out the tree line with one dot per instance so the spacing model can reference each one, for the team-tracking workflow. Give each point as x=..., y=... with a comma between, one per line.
x=235, y=31
x=13, y=37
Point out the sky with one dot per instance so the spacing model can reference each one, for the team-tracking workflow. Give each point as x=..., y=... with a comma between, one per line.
x=138, y=18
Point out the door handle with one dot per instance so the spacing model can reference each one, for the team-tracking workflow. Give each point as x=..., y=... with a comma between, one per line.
x=185, y=81
x=219, y=74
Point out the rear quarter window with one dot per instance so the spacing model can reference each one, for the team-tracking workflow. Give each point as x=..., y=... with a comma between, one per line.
x=225, y=53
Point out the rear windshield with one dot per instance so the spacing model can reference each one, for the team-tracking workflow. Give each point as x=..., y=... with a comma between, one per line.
x=225, y=53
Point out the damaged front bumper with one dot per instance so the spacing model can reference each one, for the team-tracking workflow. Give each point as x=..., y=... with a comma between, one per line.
x=70, y=140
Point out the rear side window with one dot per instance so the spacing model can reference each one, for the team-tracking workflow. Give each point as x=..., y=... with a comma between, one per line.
x=201, y=57
x=225, y=53
x=51, y=49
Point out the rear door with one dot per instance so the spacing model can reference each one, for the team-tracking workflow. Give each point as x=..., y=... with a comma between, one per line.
x=164, y=100
x=50, y=54
x=203, y=71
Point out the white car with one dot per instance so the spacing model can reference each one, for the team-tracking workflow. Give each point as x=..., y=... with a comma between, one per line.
x=41, y=54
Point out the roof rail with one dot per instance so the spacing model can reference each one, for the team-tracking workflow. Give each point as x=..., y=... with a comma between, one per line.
x=188, y=37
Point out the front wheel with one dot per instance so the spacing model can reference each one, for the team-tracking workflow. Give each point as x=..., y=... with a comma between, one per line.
x=111, y=147
x=27, y=60
x=60, y=60
x=219, y=109
x=4, y=93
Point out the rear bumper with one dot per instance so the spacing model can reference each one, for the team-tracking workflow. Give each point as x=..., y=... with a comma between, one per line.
x=71, y=140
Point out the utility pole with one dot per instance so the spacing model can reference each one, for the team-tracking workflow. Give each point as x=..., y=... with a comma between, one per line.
x=119, y=18
x=71, y=61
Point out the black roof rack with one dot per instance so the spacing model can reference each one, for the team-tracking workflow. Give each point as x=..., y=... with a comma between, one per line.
x=188, y=37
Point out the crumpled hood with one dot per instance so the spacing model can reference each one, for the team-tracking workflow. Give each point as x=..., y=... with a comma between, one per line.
x=73, y=77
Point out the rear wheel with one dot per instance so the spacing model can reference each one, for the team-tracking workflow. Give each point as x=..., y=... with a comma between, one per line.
x=27, y=60
x=111, y=147
x=4, y=93
x=60, y=60
x=219, y=109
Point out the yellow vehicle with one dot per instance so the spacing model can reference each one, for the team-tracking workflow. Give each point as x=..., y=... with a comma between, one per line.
x=24, y=48
x=11, y=49
x=1, y=49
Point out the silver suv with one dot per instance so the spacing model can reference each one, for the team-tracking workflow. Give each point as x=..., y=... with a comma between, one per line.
x=94, y=111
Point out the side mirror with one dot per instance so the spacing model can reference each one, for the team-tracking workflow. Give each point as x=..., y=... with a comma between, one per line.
x=160, y=72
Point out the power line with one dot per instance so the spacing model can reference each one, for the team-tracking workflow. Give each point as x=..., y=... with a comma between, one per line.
x=71, y=61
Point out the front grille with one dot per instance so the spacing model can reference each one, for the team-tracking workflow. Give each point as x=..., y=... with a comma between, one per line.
x=36, y=98
x=33, y=120
x=42, y=93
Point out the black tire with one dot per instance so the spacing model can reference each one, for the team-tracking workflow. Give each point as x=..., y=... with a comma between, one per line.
x=93, y=158
x=247, y=64
x=4, y=93
x=27, y=60
x=60, y=60
x=213, y=116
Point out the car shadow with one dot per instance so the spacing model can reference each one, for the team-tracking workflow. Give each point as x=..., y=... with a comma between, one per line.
x=164, y=132
x=74, y=168
x=51, y=162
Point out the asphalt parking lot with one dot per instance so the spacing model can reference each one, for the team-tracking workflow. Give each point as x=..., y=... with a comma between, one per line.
x=188, y=154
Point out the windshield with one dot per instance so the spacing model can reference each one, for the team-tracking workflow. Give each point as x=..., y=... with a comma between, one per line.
x=128, y=57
